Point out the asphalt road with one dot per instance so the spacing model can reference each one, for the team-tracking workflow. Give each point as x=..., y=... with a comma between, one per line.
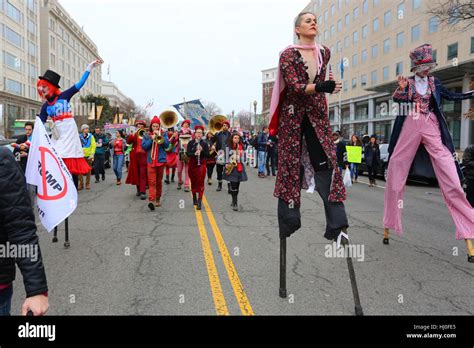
x=126, y=260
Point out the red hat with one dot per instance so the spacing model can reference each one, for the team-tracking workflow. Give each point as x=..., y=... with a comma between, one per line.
x=199, y=127
x=227, y=123
x=186, y=121
x=155, y=119
x=142, y=122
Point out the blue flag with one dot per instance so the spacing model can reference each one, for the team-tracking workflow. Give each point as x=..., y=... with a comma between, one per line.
x=342, y=68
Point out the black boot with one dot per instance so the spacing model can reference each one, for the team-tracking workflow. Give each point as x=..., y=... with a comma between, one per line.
x=219, y=186
x=195, y=200
x=198, y=206
x=172, y=177
x=167, y=180
x=235, y=205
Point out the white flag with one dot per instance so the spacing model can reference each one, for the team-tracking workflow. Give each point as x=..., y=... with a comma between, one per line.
x=57, y=195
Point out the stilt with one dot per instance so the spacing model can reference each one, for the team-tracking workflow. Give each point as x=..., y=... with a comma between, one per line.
x=66, y=242
x=355, y=290
x=55, y=236
x=470, y=251
x=283, y=292
x=386, y=236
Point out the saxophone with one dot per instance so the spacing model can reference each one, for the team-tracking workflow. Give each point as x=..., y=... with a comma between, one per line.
x=232, y=163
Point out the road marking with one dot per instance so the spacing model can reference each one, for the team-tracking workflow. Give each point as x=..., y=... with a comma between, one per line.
x=366, y=183
x=216, y=288
x=239, y=291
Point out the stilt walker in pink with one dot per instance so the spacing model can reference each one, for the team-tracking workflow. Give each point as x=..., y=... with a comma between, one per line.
x=424, y=124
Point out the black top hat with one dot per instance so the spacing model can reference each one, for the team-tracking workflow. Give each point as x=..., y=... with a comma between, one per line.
x=51, y=77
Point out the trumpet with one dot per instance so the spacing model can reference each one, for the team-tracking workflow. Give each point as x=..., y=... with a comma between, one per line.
x=139, y=133
x=158, y=138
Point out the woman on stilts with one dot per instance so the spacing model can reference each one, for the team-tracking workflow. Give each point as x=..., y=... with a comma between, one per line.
x=299, y=115
x=234, y=171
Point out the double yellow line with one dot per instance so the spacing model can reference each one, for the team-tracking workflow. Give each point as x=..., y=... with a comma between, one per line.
x=216, y=288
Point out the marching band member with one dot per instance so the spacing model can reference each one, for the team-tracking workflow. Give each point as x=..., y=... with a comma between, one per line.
x=65, y=137
x=155, y=144
x=198, y=152
x=425, y=125
x=211, y=161
x=235, y=168
x=171, y=155
x=137, y=171
x=222, y=139
x=184, y=132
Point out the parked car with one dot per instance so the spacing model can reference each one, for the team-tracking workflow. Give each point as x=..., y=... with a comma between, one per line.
x=383, y=169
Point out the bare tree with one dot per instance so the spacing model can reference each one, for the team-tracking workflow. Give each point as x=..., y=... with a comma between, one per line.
x=454, y=11
x=244, y=117
x=212, y=108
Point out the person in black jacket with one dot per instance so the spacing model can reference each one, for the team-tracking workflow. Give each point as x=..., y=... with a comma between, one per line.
x=468, y=171
x=18, y=230
x=341, y=151
x=271, y=155
x=372, y=159
x=221, y=142
x=21, y=147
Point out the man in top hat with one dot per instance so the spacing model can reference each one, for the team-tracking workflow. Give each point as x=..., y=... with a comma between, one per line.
x=137, y=172
x=422, y=137
x=221, y=142
x=185, y=131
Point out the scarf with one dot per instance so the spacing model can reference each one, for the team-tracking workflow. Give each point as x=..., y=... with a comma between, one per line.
x=280, y=85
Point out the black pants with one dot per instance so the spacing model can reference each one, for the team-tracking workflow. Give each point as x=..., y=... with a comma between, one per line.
x=372, y=172
x=470, y=191
x=235, y=186
x=271, y=161
x=336, y=217
x=99, y=165
x=220, y=170
x=210, y=170
x=75, y=179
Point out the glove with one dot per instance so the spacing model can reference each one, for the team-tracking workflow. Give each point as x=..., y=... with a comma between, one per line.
x=326, y=86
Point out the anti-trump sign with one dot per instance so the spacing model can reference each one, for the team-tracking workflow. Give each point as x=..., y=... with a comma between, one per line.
x=56, y=193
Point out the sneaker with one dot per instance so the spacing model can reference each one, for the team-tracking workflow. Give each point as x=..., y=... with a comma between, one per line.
x=186, y=189
x=179, y=186
x=138, y=194
x=103, y=177
x=97, y=181
x=142, y=196
x=209, y=181
x=151, y=206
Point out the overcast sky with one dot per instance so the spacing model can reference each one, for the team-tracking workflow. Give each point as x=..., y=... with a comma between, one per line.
x=170, y=49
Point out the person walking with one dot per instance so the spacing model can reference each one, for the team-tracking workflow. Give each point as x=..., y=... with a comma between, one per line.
x=355, y=141
x=185, y=134
x=102, y=145
x=198, y=152
x=137, y=172
x=156, y=160
x=262, y=143
x=171, y=155
x=211, y=160
x=18, y=227
x=119, y=146
x=221, y=142
x=372, y=159
x=271, y=156
x=235, y=169
x=88, y=146
x=22, y=145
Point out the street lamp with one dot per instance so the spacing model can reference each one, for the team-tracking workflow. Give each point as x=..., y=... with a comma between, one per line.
x=255, y=112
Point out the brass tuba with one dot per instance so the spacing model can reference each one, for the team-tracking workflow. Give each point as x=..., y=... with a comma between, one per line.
x=168, y=119
x=215, y=123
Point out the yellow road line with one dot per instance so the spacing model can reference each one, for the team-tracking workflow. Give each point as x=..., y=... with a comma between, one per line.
x=239, y=291
x=216, y=289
